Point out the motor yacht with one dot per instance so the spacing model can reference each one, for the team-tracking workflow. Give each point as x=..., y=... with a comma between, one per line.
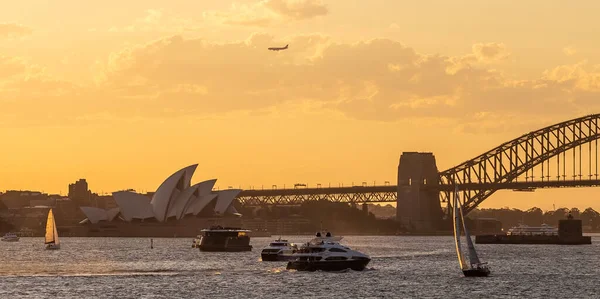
x=327, y=254
x=278, y=250
x=10, y=237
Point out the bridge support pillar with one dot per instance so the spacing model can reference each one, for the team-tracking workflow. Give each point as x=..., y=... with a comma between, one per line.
x=418, y=208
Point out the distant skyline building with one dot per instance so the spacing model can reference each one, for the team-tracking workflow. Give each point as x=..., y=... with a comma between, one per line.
x=80, y=193
x=174, y=199
x=16, y=199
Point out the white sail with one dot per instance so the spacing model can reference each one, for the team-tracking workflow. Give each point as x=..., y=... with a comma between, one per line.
x=473, y=258
x=51, y=234
x=56, y=241
x=456, y=219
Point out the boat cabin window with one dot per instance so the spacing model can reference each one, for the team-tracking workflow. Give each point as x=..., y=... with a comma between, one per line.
x=310, y=258
x=224, y=234
x=271, y=250
x=336, y=258
x=336, y=250
x=312, y=249
x=278, y=244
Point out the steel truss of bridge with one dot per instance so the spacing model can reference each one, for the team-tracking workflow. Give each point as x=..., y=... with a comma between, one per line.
x=381, y=194
x=545, y=158
x=357, y=194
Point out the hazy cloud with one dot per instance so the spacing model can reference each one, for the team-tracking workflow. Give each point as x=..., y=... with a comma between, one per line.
x=396, y=83
x=157, y=20
x=11, y=66
x=379, y=79
x=297, y=9
x=12, y=30
x=569, y=51
x=578, y=76
x=268, y=12
x=490, y=51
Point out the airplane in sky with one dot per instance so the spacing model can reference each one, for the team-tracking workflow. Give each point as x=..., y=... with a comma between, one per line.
x=278, y=48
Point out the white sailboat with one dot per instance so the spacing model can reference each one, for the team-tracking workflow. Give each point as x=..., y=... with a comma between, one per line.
x=474, y=267
x=51, y=239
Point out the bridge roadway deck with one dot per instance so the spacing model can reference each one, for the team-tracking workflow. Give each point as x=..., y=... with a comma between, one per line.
x=387, y=193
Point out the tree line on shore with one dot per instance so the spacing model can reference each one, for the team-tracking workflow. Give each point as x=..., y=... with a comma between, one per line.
x=535, y=216
x=323, y=214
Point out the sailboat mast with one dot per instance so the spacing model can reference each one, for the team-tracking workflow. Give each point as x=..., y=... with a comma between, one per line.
x=473, y=258
x=456, y=221
x=53, y=226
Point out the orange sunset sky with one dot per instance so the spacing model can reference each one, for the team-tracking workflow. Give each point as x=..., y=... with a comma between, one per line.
x=124, y=93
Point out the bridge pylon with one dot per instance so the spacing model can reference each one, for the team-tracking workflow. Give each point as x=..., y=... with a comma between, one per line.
x=418, y=204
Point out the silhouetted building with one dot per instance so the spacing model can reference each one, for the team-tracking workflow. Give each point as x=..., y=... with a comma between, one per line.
x=46, y=202
x=14, y=199
x=418, y=208
x=487, y=226
x=79, y=192
x=106, y=202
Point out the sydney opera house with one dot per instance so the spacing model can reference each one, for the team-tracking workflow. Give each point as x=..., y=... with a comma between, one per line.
x=175, y=203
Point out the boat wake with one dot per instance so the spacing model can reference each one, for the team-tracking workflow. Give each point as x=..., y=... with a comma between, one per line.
x=97, y=274
x=276, y=270
x=115, y=272
x=411, y=254
x=321, y=271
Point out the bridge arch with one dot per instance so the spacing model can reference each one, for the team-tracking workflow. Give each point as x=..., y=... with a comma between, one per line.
x=544, y=151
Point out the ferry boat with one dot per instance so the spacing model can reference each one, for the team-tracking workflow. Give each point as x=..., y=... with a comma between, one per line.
x=10, y=237
x=278, y=250
x=218, y=238
x=327, y=254
x=525, y=230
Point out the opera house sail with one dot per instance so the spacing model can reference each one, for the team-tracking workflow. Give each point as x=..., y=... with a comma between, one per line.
x=175, y=199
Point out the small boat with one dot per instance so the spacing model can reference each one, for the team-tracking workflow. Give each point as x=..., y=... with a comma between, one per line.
x=51, y=239
x=278, y=250
x=218, y=238
x=474, y=267
x=327, y=254
x=10, y=237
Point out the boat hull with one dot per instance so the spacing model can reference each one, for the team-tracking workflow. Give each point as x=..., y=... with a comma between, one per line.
x=356, y=265
x=270, y=257
x=52, y=246
x=476, y=272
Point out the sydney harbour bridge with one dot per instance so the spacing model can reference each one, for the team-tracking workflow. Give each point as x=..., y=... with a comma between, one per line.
x=557, y=156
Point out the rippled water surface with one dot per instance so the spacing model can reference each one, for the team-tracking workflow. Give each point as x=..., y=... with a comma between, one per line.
x=401, y=267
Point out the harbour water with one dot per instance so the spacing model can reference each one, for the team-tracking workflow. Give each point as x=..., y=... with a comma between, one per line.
x=401, y=267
